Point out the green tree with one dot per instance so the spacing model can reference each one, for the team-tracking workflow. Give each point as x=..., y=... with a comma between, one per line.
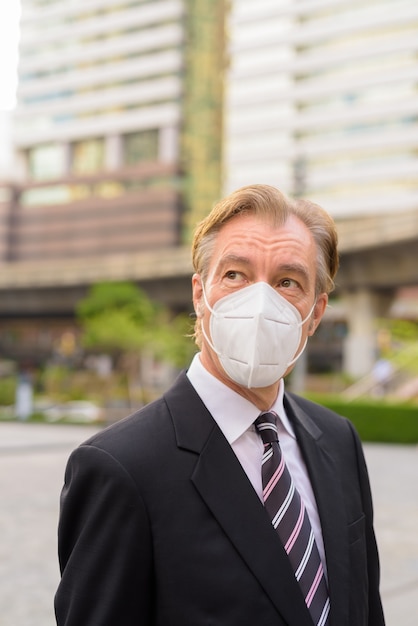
x=120, y=319
x=404, y=345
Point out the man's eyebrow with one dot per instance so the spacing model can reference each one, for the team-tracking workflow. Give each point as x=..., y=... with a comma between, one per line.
x=296, y=268
x=234, y=258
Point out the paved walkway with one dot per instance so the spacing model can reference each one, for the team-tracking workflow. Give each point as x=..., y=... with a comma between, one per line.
x=32, y=461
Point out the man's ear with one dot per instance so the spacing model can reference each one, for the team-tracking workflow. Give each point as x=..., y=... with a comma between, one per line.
x=317, y=313
x=197, y=292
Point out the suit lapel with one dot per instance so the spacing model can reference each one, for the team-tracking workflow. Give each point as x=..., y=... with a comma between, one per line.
x=223, y=485
x=328, y=493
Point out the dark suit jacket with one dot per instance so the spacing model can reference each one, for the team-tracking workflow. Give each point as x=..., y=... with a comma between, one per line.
x=160, y=525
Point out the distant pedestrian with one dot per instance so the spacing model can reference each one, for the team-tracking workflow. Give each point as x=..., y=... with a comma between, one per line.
x=24, y=396
x=382, y=374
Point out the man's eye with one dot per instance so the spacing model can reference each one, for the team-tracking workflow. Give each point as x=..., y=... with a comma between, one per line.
x=232, y=275
x=288, y=282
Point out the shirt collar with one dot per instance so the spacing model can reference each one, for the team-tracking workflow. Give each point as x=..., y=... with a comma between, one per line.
x=233, y=413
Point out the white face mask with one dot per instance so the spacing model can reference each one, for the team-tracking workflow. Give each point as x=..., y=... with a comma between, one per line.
x=255, y=333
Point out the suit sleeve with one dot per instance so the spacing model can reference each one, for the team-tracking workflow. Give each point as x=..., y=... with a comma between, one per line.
x=376, y=617
x=104, y=545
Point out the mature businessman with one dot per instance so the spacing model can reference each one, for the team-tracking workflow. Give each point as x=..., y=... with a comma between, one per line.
x=228, y=501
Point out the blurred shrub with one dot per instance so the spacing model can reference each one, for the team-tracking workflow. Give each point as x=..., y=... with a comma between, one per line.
x=7, y=390
x=376, y=421
x=62, y=384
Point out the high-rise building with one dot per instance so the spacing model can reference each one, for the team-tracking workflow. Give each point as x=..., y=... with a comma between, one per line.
x=99, y=101
x=117, y=134
x=106, y=87
x=322, y=99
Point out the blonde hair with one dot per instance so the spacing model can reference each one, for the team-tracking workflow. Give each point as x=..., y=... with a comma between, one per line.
x=268, y=202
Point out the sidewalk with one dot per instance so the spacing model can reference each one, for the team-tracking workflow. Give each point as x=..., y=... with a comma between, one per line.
x=394, y=476
x=32, y=461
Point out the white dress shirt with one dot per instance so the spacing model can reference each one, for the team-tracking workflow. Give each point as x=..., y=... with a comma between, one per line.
x=235, y=417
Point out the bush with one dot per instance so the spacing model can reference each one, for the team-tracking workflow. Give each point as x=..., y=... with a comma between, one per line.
x=7, y=390
x=376, y=421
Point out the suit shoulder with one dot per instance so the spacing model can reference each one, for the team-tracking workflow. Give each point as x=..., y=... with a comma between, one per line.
x=144, y=431
x=139, y=428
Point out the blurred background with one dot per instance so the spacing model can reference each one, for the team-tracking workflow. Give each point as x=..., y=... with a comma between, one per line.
x=125, y=121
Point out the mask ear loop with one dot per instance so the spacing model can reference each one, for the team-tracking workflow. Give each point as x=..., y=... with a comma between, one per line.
x=306, y=340
x=298, y=355
x=202, y=326
x=206, y=300
x=309, y=314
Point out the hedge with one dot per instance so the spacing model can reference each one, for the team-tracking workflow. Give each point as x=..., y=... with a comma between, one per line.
x=376, y=421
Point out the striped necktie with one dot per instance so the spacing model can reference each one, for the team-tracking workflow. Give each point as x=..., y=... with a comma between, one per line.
x=290, y=519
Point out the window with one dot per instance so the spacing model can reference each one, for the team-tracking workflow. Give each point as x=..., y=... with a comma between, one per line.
x=47, y=161
x=88, y=156
x=140, y=146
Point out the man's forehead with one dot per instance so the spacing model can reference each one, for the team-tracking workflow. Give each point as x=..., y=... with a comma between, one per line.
x=243, y=233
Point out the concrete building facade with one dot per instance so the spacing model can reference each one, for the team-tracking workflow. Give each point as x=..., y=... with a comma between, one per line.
x=96, y=130
x=322, y=99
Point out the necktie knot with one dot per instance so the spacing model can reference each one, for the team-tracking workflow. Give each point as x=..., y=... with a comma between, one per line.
x=266, y=426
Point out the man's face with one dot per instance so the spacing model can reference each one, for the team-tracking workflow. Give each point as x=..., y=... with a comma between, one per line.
x=249, y=250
